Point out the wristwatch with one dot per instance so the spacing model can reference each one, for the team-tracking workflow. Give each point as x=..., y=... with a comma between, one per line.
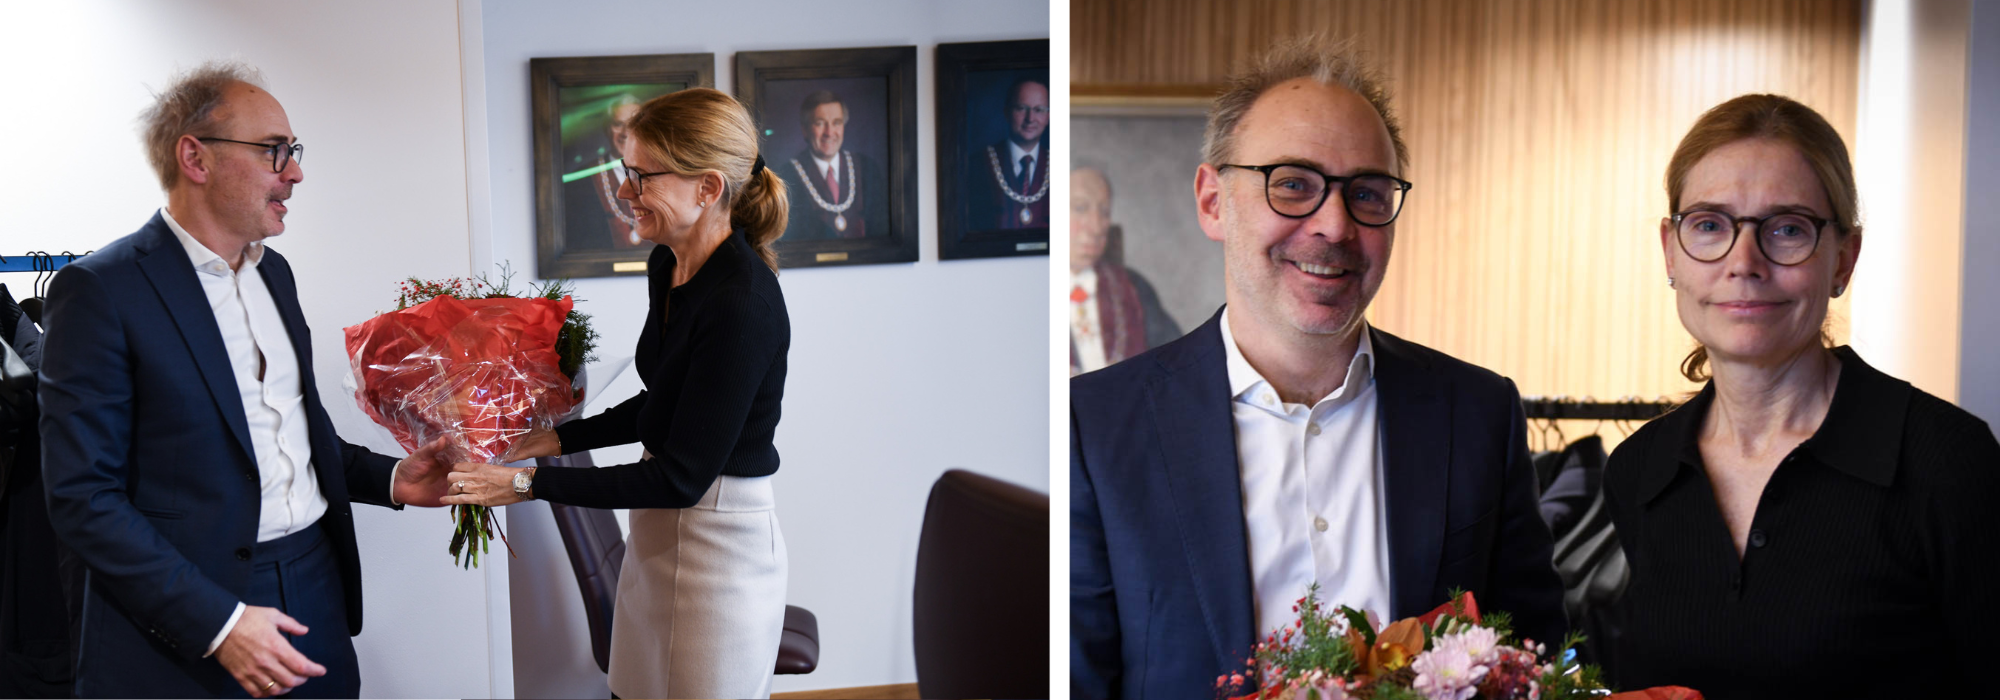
x=524, y=482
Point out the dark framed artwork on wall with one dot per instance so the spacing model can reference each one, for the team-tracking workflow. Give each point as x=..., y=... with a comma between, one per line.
x=840, y=127
x=993, y=149
x=1141, y=271
x=580, y=109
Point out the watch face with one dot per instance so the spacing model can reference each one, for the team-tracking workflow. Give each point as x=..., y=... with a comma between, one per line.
x=520, y=482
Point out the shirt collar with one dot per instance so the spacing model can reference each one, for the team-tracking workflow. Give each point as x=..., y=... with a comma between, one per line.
x=205, y=260
x=1245, y=381
x=1087, y=279
x=1861, y=436
x=821, y=164
x=1015, y=151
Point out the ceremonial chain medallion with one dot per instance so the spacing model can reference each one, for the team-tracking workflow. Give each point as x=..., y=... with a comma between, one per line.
x=838, y=210
x=1000, y=176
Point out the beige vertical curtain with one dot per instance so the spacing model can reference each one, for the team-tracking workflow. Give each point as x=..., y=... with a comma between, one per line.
x=1539, y=132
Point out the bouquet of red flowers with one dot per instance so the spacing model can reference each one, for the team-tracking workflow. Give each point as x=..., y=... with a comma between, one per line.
x=475, y=365
x=1450, y=653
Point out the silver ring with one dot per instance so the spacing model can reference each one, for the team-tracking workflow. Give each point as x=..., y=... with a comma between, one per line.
x=461, y=486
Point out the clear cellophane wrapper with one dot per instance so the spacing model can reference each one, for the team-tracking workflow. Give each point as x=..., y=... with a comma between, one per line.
x=480, y=372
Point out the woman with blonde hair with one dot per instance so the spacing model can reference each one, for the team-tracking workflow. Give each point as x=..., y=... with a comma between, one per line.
x=701, y=597
x=1806, y=526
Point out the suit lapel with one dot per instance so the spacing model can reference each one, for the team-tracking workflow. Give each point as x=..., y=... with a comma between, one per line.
x=1190, y=405
x=283, y=286
x=172, y=275
x=1416, y=465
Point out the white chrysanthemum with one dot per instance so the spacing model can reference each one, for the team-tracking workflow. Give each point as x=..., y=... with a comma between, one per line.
x=1446, y=673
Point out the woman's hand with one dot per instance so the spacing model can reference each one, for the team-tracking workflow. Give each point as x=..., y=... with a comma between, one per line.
x=478, y=484
x=540, y=442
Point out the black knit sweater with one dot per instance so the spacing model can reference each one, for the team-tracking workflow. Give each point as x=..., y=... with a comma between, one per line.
x=712, y=356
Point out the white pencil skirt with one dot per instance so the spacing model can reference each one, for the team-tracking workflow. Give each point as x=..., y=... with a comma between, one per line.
x=701, y=597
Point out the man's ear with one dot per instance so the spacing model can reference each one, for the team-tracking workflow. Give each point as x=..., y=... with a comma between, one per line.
x=1208, y=200
x=192, y=159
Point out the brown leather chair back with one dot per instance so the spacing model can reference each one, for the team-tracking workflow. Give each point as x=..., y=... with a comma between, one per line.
x=982, y=602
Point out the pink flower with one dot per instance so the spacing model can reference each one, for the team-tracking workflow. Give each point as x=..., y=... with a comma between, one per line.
x=1480, y=644
x=1326, y=690
x=1446, y=673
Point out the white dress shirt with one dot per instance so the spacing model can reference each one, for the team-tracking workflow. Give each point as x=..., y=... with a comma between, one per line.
x=1312, y=490
x=268, y=380
x=822, y=165
x=1014, y=153
x=1086, y=331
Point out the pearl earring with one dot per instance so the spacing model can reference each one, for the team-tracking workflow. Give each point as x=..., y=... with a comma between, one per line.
x=1670, y=281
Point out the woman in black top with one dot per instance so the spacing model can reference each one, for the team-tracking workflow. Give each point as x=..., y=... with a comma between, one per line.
x=1806, y=526
x=701, y=596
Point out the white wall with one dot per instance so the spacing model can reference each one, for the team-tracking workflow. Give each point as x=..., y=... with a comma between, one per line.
x=1979, y=362
x=373, y=89
x=897, y=371
x=1910, y=165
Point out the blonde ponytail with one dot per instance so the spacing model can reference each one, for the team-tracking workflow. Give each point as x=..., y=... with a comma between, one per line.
x=761, y=209
x=702, y=130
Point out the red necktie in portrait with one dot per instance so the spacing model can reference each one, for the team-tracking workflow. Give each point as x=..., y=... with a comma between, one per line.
x=832, y=185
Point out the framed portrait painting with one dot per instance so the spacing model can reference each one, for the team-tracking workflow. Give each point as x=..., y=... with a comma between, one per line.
x=839, y=126
x=581, y=107
x=1142, y=272
x=993, y=149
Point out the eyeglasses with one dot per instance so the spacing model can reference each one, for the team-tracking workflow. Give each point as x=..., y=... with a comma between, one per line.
x=281, y=154
x=1785, y=239
x=638, y=179
x=1296, y=191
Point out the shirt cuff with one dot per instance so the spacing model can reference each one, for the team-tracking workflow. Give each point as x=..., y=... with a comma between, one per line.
x=392, y=480
x=226, y=627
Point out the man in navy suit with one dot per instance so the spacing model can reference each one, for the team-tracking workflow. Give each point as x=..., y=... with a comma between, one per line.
x=188, y=460
x=1285, y=442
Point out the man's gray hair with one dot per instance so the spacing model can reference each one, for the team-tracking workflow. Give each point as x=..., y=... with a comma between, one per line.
x=1309, y=56
x=186, y=107
x=1094, y=166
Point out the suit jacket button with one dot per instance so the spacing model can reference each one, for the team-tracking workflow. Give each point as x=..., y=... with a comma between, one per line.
x=243, y=554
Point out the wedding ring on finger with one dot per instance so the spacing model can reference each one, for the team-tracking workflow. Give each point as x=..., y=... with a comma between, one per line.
x=461, y=486
x=270, y=685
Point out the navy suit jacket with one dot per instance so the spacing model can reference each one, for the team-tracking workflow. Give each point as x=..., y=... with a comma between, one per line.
x=150, y=474
x=1160, y=592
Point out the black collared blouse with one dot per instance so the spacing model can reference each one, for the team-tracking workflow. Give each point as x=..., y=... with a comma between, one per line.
x=712, y=356
x=1870, y=568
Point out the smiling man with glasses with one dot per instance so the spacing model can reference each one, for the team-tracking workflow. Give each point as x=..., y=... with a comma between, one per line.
x=189, y=463
x=1286, y=442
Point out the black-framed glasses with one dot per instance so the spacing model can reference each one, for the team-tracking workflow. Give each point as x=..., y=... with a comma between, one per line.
x=1785, y=239
x=1297, y=191
x=638, y=179
x=282, y=154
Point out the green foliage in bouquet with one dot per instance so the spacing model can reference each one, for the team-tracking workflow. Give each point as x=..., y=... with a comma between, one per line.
x=1317, y=642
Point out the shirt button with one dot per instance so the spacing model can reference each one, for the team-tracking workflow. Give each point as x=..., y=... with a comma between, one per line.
x=243, y=554
x=1269, y=400
x=1312, y=428
x=1758, y=539
x=1319, y=524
